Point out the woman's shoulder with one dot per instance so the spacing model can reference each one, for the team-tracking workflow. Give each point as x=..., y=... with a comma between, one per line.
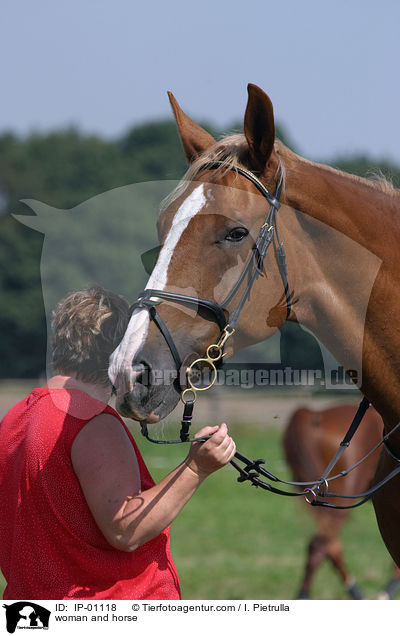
x=106, y=435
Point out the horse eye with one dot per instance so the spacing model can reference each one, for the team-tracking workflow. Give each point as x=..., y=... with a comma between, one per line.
x=237, y=234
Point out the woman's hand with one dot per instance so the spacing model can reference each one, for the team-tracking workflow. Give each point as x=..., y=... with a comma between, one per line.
x=205, y=458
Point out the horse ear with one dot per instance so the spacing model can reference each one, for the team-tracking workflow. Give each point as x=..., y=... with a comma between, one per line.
x=194, y=138
x=259, y=127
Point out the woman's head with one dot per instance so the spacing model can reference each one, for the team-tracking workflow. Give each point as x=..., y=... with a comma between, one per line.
x=86, y=327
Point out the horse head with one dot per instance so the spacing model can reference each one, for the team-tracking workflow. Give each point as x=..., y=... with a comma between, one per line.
x=207, y=229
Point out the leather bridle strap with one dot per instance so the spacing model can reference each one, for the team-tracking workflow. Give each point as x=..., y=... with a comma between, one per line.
x=362, y=409
x=144, y=302
x=268, y=233
x=155, y=317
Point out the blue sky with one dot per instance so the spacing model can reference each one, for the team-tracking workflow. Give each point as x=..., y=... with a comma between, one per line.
x=330, y=68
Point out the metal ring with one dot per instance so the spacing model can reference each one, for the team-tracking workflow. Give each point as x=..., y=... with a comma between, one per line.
x=311, y=491
x=320, y=492
x=192, y=391
x=210, y=348
x=189, y=371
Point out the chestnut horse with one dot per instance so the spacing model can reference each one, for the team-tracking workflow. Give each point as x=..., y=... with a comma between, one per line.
x=310, y=441
x=342, y=239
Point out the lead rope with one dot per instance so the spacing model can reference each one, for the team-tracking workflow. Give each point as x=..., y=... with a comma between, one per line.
x=254, y=472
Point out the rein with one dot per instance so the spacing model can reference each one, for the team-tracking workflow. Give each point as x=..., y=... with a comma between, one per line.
x=252, y=471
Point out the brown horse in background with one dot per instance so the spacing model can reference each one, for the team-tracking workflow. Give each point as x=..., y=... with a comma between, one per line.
x=341, y=235
x=310, y=441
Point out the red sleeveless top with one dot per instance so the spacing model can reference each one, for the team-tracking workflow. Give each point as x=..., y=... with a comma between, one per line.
x=50, y=545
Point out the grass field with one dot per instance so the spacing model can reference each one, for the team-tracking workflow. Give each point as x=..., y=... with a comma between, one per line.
x=233, y=541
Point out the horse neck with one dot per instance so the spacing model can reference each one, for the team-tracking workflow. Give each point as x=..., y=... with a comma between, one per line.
x=353, y=206
x=342, y=236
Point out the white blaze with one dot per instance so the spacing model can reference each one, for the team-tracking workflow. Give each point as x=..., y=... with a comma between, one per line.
x=136, y=332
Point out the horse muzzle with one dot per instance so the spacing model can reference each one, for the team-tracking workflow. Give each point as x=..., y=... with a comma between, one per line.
x=149, y=393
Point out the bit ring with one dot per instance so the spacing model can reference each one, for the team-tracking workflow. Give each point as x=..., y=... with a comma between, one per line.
x=190, y=369
x=185, y=393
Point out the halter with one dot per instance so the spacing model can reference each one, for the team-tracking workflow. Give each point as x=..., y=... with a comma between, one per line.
x=253, y=470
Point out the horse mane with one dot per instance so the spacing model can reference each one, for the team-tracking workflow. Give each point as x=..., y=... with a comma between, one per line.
x=231, y=152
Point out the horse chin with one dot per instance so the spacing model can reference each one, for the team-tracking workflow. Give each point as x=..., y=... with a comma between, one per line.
x=155, y=408
x=168, y=404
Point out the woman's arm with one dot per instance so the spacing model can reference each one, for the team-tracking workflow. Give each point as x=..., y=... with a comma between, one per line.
x=106, y=466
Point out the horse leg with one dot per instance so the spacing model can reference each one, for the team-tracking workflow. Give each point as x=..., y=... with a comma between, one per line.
x=389, y=592
x=335, y=554
x=387, y=506
x=316, y=554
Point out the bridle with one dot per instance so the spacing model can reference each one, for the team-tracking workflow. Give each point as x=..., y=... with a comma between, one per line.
x=149, y=299
x=253, y=471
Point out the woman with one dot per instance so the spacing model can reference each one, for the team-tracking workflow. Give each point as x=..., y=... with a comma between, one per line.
x=81, y=515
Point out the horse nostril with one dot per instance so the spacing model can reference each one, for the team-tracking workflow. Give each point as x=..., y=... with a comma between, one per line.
x=141, y=373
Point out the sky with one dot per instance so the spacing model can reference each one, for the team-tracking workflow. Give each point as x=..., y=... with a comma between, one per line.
x=331, y=69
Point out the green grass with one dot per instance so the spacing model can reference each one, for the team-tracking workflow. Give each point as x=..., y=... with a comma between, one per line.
x=233, y=541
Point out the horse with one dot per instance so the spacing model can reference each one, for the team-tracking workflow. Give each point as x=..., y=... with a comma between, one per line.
x=334, y=267
x=309, y=441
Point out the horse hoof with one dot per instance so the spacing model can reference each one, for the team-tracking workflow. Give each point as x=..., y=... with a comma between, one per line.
x=389, y=593
x=303, y=596
x=355, y=592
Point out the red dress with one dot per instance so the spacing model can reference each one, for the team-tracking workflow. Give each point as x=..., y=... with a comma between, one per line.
x=50, y=545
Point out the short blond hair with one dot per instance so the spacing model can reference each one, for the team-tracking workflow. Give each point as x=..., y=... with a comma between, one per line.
x=86, y=328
